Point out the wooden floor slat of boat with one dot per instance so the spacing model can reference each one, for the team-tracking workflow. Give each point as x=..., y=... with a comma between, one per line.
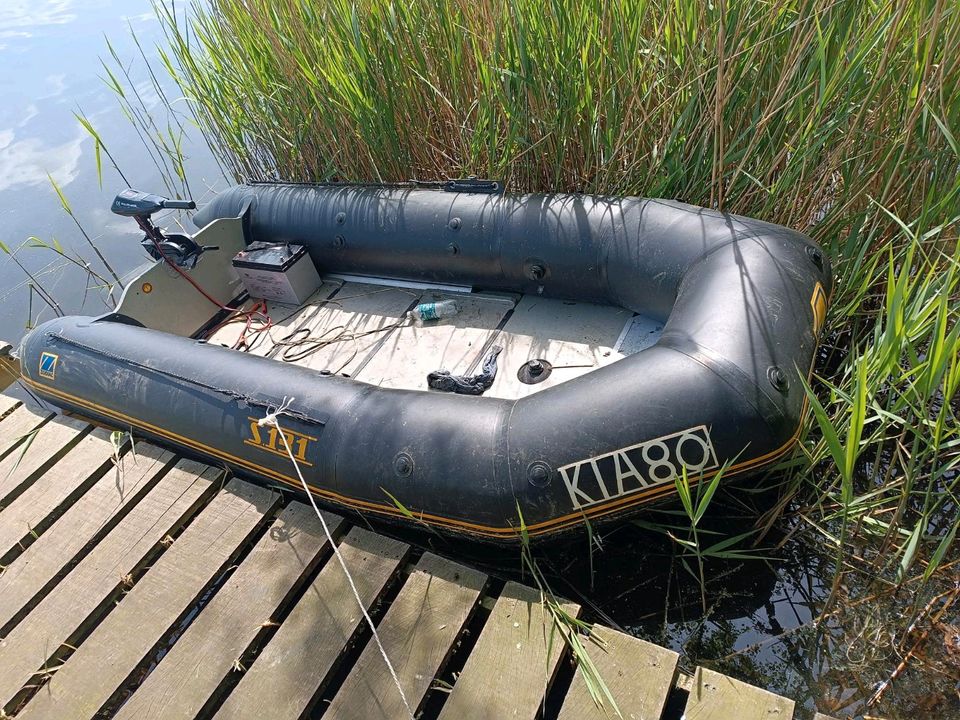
x=285, y=318
x=364, y=316
x=575, y=338
x=409, y=353
x=165, y=590
x=389, y=349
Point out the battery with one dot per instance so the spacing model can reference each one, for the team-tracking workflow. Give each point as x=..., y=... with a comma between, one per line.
x=281, y=273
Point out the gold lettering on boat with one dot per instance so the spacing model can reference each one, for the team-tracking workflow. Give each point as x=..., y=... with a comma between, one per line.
x=631, y=469
x=48, y=365
x=270, y=440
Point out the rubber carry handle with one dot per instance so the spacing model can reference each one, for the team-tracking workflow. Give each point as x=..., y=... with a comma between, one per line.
x=179, y=205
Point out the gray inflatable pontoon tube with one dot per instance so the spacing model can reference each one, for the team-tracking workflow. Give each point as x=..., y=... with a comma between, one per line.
x=743, y=302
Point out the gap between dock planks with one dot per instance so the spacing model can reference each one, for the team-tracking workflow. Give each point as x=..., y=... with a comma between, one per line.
x=295, y=666
x=31, y=649
x=189, y=675
x=51, y=490
x=418, y=633
x=7, y=404
x=54, y=552
x=92, y=675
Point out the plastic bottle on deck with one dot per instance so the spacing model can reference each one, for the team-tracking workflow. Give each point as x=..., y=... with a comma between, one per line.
x=435, y=310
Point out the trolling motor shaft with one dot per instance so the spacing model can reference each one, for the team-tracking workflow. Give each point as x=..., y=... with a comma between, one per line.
x=177, y=248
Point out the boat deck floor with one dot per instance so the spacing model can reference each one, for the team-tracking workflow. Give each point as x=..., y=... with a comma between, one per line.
x=360, y=328
x=137, y=584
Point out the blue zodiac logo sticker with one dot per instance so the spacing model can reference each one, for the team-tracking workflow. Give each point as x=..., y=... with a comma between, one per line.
x=48, y=365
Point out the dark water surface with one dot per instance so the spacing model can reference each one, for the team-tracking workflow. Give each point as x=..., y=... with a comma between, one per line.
x=49, y=69
x=758, y=624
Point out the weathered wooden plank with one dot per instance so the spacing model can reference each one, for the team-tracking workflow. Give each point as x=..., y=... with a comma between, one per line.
x=363, y=311
x=99, y=575
x=18, y=425
x=564, y=333
x=86, y=461
x=514, y=661
x=418, y=634
x=7, y=405
x=103, y=662
x=194, y=668
x=821, y=716
x=296, y=664
x=638, y=674
x=411, y=352
x=33, y=570
x=717, y=697
x=22, y=463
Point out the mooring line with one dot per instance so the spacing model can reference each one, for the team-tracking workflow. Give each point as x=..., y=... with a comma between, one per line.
x=271, y=418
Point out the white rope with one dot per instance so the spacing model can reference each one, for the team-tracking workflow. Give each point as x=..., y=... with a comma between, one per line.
x=271, y=418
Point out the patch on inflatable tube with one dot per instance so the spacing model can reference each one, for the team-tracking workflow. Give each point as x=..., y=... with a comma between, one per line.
x=631, y=469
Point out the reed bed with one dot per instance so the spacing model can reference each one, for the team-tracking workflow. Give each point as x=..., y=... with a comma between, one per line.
x=837, y=117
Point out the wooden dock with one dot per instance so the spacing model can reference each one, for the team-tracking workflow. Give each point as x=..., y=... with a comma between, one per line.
x=136, y=584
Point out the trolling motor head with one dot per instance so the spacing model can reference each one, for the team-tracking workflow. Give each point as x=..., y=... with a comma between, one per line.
x=133, y=203
x=175, y=248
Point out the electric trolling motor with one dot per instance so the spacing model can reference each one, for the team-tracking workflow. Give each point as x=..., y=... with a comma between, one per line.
x=175, y=248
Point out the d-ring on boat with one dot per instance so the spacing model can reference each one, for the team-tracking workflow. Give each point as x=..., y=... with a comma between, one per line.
x=640, y=339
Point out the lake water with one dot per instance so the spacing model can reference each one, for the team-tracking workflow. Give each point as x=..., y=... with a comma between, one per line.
x=49, y=69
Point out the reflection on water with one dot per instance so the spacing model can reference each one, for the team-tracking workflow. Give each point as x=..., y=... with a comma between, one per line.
x=27, y=162
x=50, y=69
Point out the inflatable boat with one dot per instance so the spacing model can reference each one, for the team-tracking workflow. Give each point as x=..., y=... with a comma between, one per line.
x=568, y=426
